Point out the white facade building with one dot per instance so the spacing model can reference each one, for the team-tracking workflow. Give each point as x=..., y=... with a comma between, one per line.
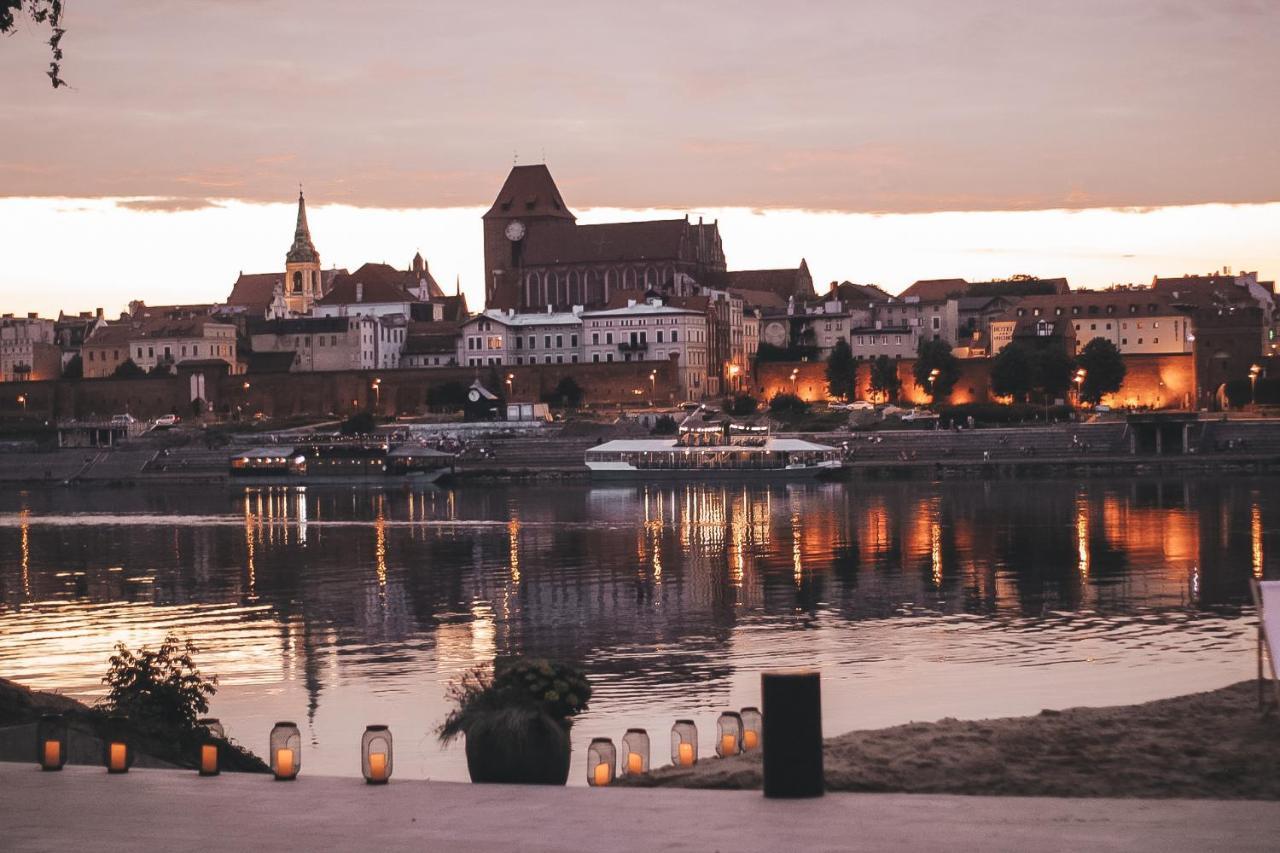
x=498, y=337
x=651, y=331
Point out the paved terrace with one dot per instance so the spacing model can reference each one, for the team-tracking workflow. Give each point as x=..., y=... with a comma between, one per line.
x=83, y=808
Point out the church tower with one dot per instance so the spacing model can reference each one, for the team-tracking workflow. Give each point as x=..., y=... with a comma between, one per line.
x=528, y=209
x=302, y=266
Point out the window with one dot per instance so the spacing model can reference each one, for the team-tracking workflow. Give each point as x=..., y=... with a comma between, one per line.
x=533, y=341
x=595, y=356
x=573, y=359
x=547, y=360
x=559, y=341
x=1093, y=327
x=608, y=338
x=573, y=341
x=608, y=357
x=559, y=359
x=937, y=323
x=595, y=338
x=1155, y=340
x=675, y=336
x=659, y=336
x=519, y=342
x=139, y=354
x=546, y=344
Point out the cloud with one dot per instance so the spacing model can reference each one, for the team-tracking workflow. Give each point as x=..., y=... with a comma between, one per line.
x=166, y=205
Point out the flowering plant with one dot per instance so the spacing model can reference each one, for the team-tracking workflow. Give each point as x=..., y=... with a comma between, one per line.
x=558, y=690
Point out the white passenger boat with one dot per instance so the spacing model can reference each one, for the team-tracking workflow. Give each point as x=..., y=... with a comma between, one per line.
x=705, y=448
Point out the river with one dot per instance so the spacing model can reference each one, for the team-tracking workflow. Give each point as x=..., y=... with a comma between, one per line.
x=338, y=607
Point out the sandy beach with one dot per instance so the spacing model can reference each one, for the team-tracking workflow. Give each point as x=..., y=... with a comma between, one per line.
x=1214, y=745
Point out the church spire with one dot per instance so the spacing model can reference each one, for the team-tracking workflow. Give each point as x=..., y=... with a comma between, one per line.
x=302, y=250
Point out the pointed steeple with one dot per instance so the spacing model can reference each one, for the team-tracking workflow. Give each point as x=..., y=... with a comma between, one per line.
x=457, y=286
x=303, y=251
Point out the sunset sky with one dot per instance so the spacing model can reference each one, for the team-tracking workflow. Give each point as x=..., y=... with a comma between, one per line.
x=885, y=142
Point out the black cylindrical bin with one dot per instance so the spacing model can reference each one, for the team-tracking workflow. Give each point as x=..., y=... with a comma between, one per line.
x=792, y=734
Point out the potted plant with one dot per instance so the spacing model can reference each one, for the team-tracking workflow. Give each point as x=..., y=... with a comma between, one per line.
x=517, y=720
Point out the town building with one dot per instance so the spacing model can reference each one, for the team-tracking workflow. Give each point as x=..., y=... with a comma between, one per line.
x=650, y=330
x=170, y=343
x=867, y=343
x=496, y=337
x=1139, y=321
x=770, y=288
x=320, y=343
x=106, y=348
x=71, y=330
x=431, y=344
x=28, y=349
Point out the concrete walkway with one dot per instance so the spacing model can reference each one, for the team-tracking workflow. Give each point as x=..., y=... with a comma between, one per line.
x=84, y=808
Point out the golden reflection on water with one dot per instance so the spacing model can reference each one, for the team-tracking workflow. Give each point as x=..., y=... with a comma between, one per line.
x=1082, y=535
x=1255, y=536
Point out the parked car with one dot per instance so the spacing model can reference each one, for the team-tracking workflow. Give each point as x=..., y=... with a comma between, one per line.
x=862, y=406
x=166, y=422
x=123, y=420
x=920, y=415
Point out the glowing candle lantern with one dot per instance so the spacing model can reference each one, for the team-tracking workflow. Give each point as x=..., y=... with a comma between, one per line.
x=635, y=752
x=375, y=755
x=117, y=754
x=684, y=743
x=51, y=742
x=752, y=726
x=602, y=760
x=729, y=734
x=211, y=746
x=285, y=750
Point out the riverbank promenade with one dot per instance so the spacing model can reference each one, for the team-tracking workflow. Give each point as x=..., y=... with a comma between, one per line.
x=83, y=808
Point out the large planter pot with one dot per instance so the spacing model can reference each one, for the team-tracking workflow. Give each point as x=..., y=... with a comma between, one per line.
x=518, y=746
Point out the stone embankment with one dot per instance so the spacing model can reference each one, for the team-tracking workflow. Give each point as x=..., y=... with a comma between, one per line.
x=1067, y=449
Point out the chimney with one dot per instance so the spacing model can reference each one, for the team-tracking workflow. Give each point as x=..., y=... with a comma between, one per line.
x=31, y=315
x=359, y=291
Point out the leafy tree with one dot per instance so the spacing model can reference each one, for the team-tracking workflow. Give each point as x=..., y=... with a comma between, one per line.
x=784, y=403
x=128, y=369
x=197, y=407
x=160, y=689
x=936, y=355
x=665, y=425
x=884, y=378
x=568, y=393
x=161, y=369
x=842, y=371
x=1237, y=391
x=41, y=12
x=742, y=405
x=1054, y=372
x=1104, y=369
x=74, y=368
x=1013, y=373
x=361, y=423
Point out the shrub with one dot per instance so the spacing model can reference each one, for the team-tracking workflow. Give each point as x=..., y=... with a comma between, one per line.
x=160, y=690
x=741, y=405
x=785, y=403
x=361, y=423
x=665, y=425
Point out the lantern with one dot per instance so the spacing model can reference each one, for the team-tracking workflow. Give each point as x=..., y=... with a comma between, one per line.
x=375, y=755
x=51, y=742
x=729, y=734
x=210, y=746
x=684, y=743
x=285, y=751
x=117, y=752
x=602, y=758
x=752, y=728
x=635, y=752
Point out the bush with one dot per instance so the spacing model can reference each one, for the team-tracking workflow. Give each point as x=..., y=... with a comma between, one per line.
x=741, y=405
x=568, y=394
x=158, y=690
x=361, y=423
x=785, y=403
x=665, y=425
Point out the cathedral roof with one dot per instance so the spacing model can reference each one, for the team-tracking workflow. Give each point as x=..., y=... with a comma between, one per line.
x=794, y=281
x=650, y=240
x=303, y=251
x=529, y=191
x=378, y=283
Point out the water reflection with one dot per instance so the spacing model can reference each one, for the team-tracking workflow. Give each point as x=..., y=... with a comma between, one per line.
x=359, y=603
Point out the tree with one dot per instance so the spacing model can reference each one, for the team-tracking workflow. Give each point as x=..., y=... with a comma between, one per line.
x=162, y=368
x=742, y=405
x=665, y=425
x=884, y=378
x=74, y=368
x=1012, y=372
x=842, y=372
x=931, y=356
x=361, y=423
x=784, y=403
x=128, y=369
x=1054, y=372
x=1104, y=370
x=159, y=689
x=41, y=12
x=568, y=393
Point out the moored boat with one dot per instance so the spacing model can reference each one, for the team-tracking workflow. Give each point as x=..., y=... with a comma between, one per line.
x=341, y=462
x=705, y=447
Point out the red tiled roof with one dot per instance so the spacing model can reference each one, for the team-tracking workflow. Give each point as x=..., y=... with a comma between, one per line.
x=784, y=282
x=254, y=290
x=934, y=289
x=760, y=298
x=529, y=191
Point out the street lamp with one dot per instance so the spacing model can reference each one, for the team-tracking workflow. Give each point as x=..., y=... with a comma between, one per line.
x=1253, y=383
x=734, y=370
x=933, y=377
x=510, y=377
x=795, y=381
x=22, y=399
x=1079, y=380
x=653, y=385
x=377, y=394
